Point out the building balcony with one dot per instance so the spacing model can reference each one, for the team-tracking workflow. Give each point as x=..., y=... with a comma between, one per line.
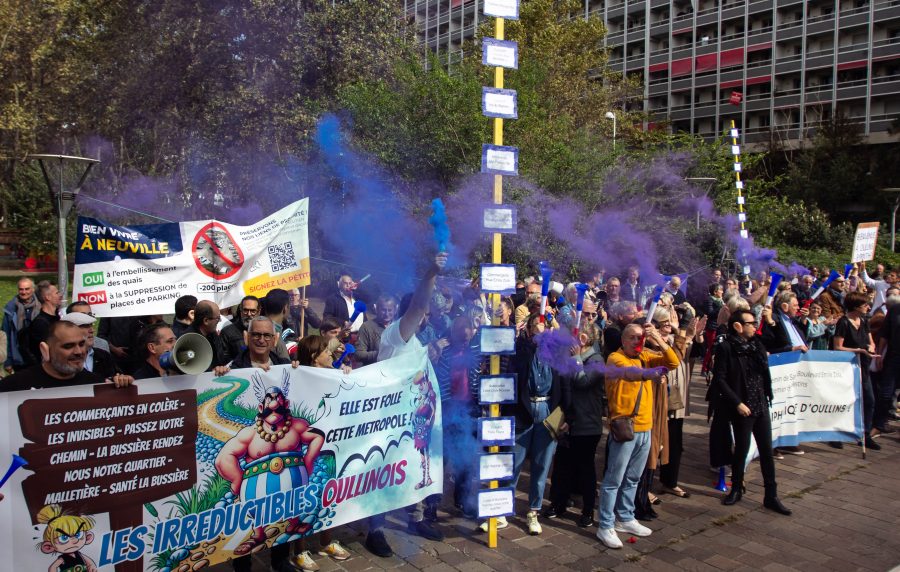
x=886, y=85
x=760, y=7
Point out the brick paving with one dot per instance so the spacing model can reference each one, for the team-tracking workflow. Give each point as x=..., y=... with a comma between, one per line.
x=846, y=517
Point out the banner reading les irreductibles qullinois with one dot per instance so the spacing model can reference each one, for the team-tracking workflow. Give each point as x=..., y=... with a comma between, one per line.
x=185, y=472
x=142, y=270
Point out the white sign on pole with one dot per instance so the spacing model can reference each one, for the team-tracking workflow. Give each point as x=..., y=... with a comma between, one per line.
x=500, y=219
x=502, y=9
x=496, y=502
x=498, y=278
x=496, y=466
x=497, y=431
x=864, y=242
x=497, y=389
x=500, y=53
x=498, y=339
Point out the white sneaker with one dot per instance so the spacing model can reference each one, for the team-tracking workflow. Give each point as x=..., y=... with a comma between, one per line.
x=335, y=551
x=501, y=523
x=633, y=527
x=305, y=562
x=609, y=537
x=534, y=527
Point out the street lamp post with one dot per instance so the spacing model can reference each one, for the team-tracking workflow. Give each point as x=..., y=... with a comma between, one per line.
x=896, y=191
x=63, y=201
x=611, y=115
x=709, y=182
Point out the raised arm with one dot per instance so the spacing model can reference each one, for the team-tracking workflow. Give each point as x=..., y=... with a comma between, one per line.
x=410, y=321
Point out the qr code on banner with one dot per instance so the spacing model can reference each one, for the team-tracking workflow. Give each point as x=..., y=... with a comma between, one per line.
x=281, y=257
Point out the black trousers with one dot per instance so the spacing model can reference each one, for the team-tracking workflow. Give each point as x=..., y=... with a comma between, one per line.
x=574, y=471
x=668, y=473
x=760, y=428
x=642, y=506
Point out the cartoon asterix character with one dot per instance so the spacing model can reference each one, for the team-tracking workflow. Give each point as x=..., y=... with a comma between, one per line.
x=423, y=422
x=66, y=535
x=265, y=456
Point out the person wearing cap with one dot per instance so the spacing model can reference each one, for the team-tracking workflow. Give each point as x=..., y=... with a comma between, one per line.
x=96, y=360
x=62, y=354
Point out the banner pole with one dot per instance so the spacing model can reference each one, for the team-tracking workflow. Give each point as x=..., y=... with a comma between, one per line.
x=496, y=258
x=302, y=334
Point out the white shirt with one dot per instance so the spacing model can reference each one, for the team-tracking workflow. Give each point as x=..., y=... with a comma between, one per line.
x=880, y=287
x=354, y=327
x=392, y=343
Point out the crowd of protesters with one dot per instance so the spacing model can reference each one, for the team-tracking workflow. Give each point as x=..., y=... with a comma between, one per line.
x=624, y=369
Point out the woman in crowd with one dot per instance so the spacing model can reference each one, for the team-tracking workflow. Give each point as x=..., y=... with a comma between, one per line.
x=819, y=328
x=539, y=391
x=679, y=404
x=314, y=351
x=574, y=468
x=851, y=334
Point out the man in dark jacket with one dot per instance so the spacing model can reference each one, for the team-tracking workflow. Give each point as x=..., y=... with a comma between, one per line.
x=741, y=389
x=261, y=339
x=206, y=321
x=785, y=329
x=96, y=359
x=259, y=352
x=340, y=304
x=17, y=316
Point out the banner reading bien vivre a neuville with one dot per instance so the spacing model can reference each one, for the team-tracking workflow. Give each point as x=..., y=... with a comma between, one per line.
x=142, y=270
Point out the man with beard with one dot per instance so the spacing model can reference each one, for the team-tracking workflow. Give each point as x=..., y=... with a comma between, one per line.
x=63, y=355
x=17, y=315
x=249, y=309
x=96, y=359
x=270, y=451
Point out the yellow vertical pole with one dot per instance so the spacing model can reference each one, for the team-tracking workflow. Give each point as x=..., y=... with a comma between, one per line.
x=496, y=257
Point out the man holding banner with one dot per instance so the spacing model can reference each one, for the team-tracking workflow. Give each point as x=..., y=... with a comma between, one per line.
x=742, y=390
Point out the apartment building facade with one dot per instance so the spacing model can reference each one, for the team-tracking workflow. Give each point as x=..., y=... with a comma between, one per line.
x=776, y=67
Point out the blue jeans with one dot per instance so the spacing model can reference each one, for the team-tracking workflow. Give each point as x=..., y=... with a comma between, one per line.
x=623, y=472
x=536, y=444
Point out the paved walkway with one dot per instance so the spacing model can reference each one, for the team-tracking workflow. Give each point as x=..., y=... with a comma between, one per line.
x=846, y=517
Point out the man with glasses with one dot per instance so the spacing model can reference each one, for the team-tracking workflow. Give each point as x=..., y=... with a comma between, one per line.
x=741, y=391
x=247, y=310
x=260, y=352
